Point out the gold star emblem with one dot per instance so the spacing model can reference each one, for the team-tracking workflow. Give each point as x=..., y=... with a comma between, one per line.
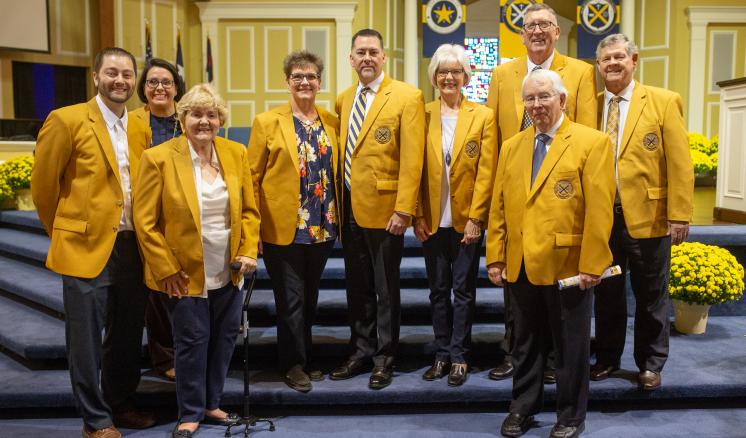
x=444, y=14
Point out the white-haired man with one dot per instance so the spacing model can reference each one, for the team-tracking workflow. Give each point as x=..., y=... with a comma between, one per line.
x=549, y=220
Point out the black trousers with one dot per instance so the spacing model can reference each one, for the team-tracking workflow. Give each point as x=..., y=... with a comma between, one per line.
x=452, y=265
x=295, y=271
x=542, y=311
x=160, y=338
x=372, y=258
x=205, y=332
x=649, y=264
x=113, y=302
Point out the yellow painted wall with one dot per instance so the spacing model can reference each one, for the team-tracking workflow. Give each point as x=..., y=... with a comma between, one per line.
x=663, y=36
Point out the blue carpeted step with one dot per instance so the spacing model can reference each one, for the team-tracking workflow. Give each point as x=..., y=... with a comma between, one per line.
x=700, y=367
x=27, y=220
x=24, y=244
x=31, y=282
x=29, y=333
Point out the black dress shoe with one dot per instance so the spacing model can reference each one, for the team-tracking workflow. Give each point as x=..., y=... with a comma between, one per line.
x=516, y=425
x=550, y=377
x=562, y=431
x=181, y=433
x=230, y=418
x=380, y=378
x=349, y=369
x=502, y=371
x=436, y=371
x=600, y=371
x=315, y=375
x=134, y=419
x=297, y=379
x=458, y=374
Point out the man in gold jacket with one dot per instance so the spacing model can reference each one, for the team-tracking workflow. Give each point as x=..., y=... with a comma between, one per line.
x=382, y=143
x=550, y=219
x=655, y=185
x=86, y=157
x=539, y=34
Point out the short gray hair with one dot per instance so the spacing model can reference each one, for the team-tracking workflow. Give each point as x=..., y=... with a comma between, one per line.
x=447, y=53
x=545, y=75
x=201, y=96
x=536, y=7
x=615, y=38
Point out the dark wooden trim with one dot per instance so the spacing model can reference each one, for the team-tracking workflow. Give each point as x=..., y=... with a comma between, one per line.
x=106, y=23
x=728, y=215
x=731, y=82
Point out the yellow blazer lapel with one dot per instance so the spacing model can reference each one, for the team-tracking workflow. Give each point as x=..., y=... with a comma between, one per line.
x=636, y=106
x=435, y=132
x=288, y=132
x=185, y=170
x=133, y=136
x=556, y=149
x=102, y=134
x=344, y=122
x=230, y=170
x=558, y=62
x=525, y=155
x=331, y=134
x=463, y=124
x=380, y=100
x=521, y=68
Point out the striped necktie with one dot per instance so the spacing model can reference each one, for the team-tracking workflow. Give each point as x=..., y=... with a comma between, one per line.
x=612, y=128
x=526, y=119
x=356, y=123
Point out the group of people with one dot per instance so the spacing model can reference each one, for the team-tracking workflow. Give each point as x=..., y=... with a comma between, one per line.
x=154, y=219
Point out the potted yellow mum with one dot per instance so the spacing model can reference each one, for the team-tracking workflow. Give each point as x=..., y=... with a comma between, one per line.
x=15, y=181
x=701, y=275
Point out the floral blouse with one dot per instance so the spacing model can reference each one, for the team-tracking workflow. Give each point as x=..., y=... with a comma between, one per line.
x=317, y=215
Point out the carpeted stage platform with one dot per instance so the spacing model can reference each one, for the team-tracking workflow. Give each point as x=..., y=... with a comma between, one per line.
x=703, y=371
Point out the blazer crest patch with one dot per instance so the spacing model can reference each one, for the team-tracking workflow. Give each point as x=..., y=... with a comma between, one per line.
x=650, y=141
x=563, y=189
x=383, y=135
x=472, y=149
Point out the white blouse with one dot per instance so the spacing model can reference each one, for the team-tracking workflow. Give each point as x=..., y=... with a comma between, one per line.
x=448, y=129
x=215, y=217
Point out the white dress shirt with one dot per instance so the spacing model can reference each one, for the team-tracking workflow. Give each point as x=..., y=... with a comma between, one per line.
x=374, y=86
x=544, y=65
x=626, y=97
x=117, y=128
x=448, y=129
x=551, y=132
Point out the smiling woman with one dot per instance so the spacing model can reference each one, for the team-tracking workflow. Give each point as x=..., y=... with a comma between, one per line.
x=292, y=152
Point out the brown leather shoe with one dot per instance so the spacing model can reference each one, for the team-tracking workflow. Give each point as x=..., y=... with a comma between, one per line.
x=107, y=432
x=134, y=419
x=297, y=379
x=502, y=371
x=649, y=380
x=350, y=368
x=436, y=371
x=380, y=377
x=459, y=373
x=170, y=374
x=600, y=371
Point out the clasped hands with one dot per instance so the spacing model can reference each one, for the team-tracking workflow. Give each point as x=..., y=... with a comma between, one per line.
x=177, y=285
x=472, y=231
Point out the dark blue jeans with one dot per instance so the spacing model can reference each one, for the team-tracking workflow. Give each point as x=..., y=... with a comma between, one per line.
x=205, y=332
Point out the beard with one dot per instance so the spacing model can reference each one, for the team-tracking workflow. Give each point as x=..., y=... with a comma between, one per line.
x=110, y=94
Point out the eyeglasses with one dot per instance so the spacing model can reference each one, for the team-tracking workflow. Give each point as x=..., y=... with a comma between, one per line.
x=166, y=83
x=543, y=25
x=541, y=99
x=298, y=77
x=455, y=73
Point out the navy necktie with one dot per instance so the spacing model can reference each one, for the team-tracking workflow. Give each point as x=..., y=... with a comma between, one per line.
x=540, y=151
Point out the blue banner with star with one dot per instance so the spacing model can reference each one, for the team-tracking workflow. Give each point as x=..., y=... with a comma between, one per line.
x=596, y=20
x=442, y=22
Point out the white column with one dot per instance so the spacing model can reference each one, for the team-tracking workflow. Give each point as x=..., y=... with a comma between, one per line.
x=697, y=49
x=411, y=48
x=344, y=39
x=627, y=24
